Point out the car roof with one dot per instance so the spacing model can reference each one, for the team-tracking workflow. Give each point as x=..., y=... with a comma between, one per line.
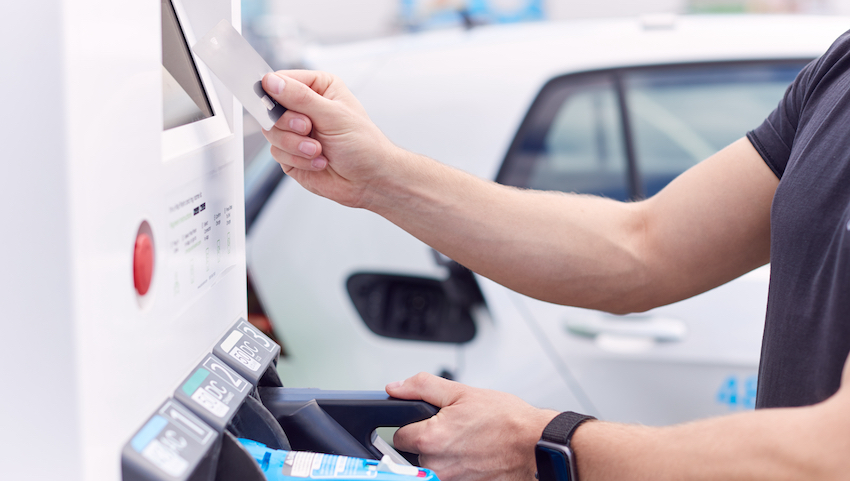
x=459, y=95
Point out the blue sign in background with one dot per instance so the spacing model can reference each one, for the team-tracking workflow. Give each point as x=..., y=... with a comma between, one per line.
x=481, y=11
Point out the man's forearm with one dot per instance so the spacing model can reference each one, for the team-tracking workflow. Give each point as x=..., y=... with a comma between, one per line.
x=776, y=444
x=565, y=248
x=583, y=250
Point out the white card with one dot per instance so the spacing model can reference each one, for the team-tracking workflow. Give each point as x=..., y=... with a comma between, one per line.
x=241, y=69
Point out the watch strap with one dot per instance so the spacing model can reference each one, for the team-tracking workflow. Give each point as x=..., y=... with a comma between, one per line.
x=560, y=429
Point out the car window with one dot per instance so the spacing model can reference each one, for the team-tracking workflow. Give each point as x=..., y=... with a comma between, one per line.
x=575, y=139
x=682, y=115
x=572, y=141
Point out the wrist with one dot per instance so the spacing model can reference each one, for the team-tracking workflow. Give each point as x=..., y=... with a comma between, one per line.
x=582, y=444
x=545, y=417
x=394, y=182
x=555, y=454
x=539, y=422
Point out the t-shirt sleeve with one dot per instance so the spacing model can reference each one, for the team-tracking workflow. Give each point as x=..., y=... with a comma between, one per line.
x=774, y=137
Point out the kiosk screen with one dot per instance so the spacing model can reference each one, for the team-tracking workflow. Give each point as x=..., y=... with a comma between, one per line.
x=183, y=97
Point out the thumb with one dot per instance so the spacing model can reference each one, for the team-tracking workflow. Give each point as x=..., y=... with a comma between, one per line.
x=296, y=96
x=427, y=387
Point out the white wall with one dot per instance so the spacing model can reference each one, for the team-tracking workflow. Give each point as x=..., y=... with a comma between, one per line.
x=333, y=21
x=288, y=26
x=838, y=7
x=564, y=9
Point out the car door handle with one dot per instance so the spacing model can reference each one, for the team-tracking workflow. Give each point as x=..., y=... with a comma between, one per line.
x=659, y=329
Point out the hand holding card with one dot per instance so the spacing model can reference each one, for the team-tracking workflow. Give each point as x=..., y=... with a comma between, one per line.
x=241, y=69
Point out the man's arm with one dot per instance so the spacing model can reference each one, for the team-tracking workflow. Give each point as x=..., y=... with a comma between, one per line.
x=487, y=435
x=707, y=227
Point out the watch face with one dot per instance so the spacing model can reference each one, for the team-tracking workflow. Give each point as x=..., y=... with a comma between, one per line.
x=554, y=462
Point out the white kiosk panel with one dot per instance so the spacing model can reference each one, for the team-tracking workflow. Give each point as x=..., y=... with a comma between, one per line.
x=125, y=243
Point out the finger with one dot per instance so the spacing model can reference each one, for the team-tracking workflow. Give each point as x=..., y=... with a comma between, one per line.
x=427, y=387
x=297, y=96
x=408, y=438
x=317, y=80
x=289, y=161
x=295, y=122
x=293, y=144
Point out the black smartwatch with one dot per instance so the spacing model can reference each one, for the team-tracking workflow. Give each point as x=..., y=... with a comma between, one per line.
x=555, y=458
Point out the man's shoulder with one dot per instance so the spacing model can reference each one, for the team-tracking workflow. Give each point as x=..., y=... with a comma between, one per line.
x=808, y=107
x=836, y=60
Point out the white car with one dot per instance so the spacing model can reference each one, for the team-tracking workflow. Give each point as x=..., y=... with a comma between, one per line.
x=609, y=107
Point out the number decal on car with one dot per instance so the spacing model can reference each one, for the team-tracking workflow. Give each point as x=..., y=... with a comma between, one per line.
x=738, y=392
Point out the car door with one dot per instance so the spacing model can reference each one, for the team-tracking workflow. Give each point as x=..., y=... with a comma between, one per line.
x=625, y=134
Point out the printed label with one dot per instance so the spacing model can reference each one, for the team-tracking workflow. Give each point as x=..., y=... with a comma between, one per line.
x=231, y=341
x=186, y=420
x=302, y=464
x=208, y=402
x=257, y=336
x=226, y=374
x=240, y=356
x=165, y=459
x=171, y=443
x=214, y=391
x=327, y=466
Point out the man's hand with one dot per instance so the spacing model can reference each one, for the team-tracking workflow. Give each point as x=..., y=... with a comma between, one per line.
x=325, y=141
x=478, y=434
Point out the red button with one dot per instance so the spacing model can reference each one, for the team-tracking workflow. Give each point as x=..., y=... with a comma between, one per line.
x=143, y=263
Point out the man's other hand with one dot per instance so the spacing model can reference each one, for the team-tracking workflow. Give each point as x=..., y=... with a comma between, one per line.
x=478, y=434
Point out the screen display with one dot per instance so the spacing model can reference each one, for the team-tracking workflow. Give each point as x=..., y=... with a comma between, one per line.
x=183, y=97
x=553, y=463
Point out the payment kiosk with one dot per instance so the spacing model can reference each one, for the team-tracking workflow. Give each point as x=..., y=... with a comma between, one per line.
x=127, y=352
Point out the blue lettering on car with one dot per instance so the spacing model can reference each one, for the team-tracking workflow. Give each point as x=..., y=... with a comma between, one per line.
x=738, y=392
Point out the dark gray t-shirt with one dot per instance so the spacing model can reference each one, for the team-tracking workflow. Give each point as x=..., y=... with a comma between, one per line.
x=806, y=142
